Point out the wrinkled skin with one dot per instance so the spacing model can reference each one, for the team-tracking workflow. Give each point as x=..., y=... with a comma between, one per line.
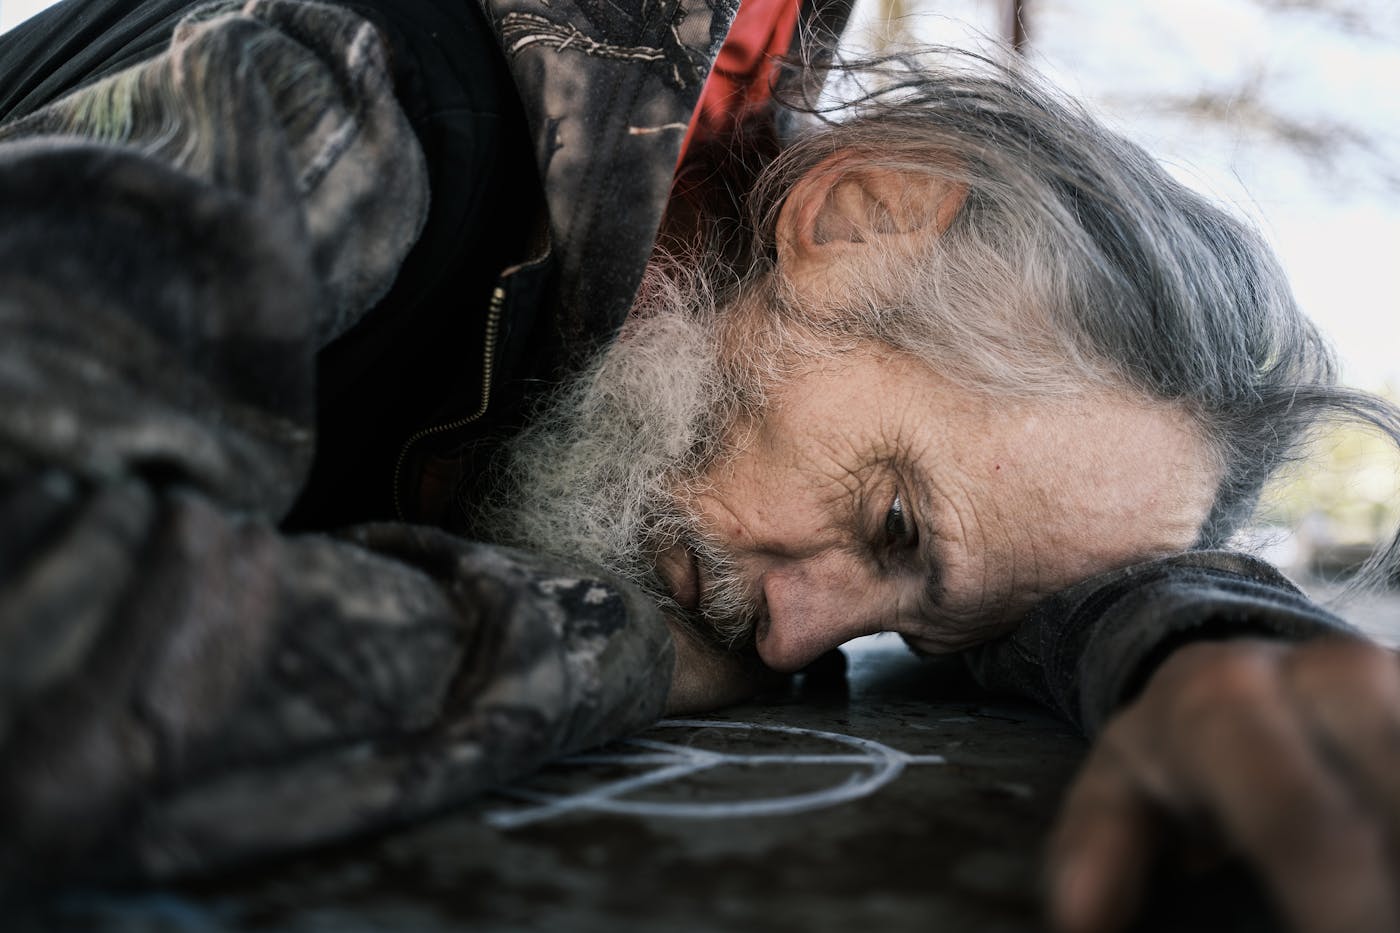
x=867, y=476
x=872, y=494
x=875, y=496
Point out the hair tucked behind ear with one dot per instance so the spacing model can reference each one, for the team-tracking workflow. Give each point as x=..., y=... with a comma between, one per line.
x=1075, y=259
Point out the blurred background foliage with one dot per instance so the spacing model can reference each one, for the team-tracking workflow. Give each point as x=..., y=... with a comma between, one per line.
x=1329, y=510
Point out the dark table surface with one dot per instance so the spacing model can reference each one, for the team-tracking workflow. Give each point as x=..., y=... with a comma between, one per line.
x=896, y=798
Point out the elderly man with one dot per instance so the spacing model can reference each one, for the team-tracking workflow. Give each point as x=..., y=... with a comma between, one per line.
x=963, y=366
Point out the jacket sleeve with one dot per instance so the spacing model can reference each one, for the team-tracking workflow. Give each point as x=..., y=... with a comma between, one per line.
x=182, y=687
x=1089, y=650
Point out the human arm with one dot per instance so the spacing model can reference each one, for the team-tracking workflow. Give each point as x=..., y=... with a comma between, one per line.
x=1285, y=755
x=182, y=686
x=1213, y=690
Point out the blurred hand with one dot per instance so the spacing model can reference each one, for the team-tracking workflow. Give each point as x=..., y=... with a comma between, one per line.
x=1287, y=754
x=706, y=677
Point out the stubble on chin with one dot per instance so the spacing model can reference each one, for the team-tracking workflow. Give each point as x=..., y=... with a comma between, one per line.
x=600, y=474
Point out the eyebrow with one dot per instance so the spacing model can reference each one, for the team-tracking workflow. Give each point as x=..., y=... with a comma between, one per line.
x=934, y=588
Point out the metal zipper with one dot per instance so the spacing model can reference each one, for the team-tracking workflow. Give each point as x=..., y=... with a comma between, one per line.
x=488, y=363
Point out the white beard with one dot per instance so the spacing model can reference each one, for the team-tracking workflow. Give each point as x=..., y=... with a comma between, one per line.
x=602, y=472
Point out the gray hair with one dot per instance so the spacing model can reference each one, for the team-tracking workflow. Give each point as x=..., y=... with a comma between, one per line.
x=1074, y=257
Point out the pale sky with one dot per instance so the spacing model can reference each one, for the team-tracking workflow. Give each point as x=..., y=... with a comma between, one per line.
x=1331, y=72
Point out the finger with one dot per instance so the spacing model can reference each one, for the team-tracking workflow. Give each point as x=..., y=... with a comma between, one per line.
x=1254, y=766
x=1102, y=847
x=1350, y=692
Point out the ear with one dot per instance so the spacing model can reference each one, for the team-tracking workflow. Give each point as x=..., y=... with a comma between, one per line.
x=843, y=203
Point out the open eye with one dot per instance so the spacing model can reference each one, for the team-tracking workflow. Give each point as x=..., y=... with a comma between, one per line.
x=900, y=531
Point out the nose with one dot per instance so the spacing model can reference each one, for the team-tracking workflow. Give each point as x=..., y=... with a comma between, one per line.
x=812, y=607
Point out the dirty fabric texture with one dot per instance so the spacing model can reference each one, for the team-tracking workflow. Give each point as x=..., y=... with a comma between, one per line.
x=1090, y=649
x=181, y=686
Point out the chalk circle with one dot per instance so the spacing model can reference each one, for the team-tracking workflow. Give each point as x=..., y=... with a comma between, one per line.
x=880, y=764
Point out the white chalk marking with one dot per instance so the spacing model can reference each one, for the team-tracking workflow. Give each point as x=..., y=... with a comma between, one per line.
x=679, y=761
x=588, y=800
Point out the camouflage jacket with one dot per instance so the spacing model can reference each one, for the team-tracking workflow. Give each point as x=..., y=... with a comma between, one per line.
x=183, y=684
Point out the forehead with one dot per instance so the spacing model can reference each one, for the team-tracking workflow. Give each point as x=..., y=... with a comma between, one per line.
x=1053, y=489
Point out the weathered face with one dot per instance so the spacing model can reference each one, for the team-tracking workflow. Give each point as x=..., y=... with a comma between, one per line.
x=872, y=496
x=866, y=493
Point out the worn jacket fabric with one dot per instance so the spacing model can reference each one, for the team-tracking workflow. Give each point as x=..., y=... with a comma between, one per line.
x=222, y=228
x=184, y=686
x=1088, y=650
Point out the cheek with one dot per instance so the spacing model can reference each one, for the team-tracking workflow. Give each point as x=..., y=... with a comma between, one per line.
x=750, y=519
x=790, y=480
x=735, y=500
x=755, y=510
x=726, y=515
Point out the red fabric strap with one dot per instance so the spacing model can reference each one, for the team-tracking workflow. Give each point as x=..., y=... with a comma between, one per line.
x=740, y=81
